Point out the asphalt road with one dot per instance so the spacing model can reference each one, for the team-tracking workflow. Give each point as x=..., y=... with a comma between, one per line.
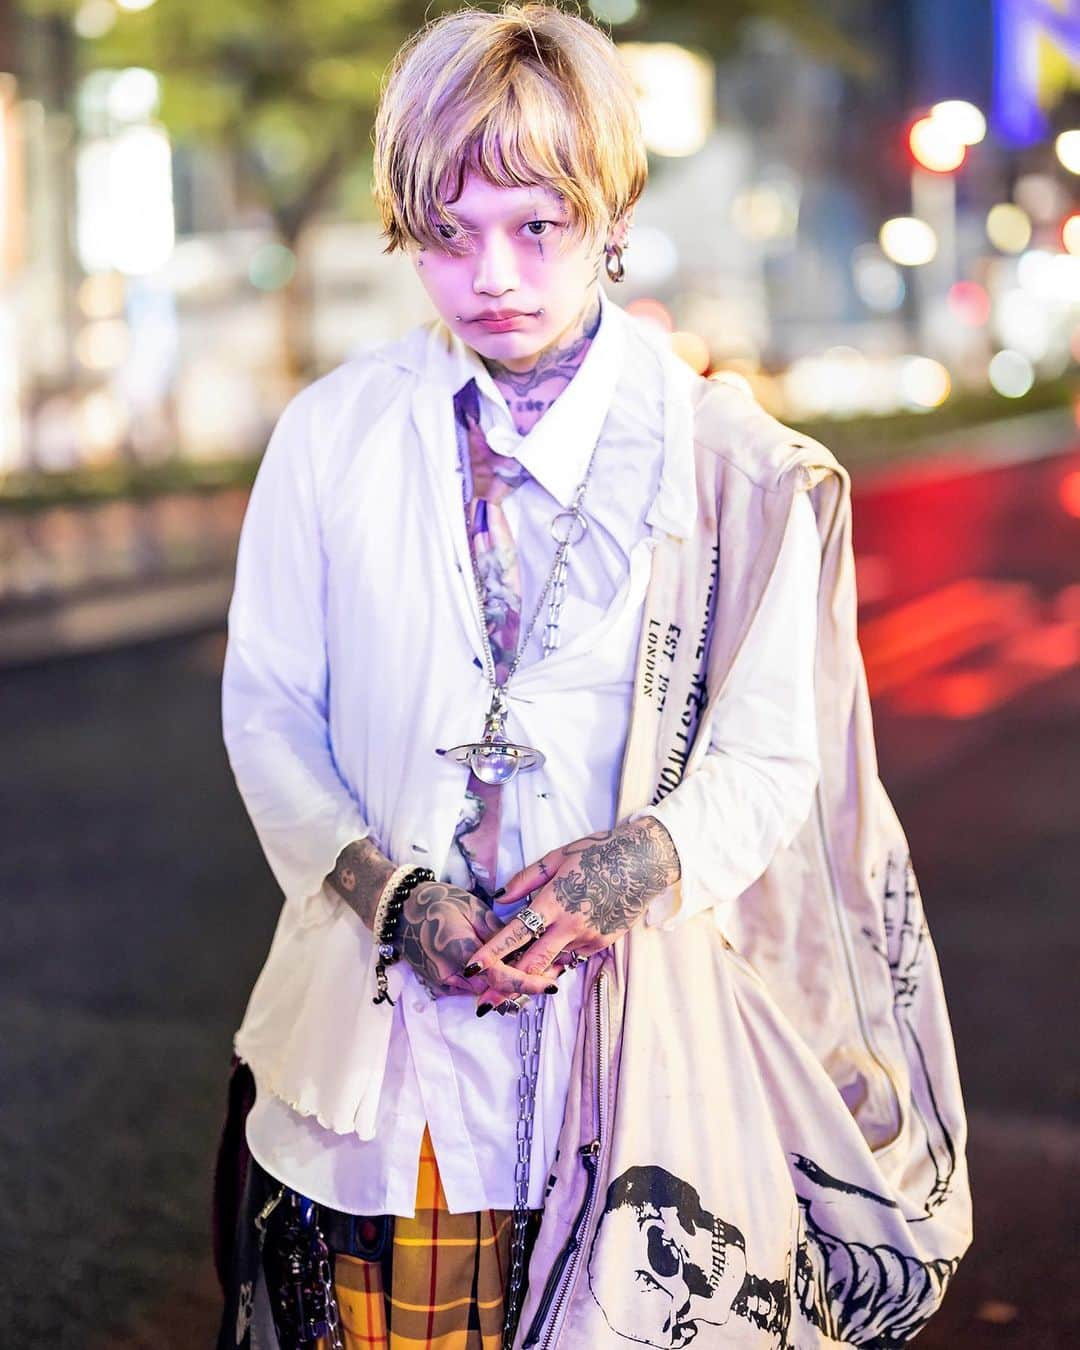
x=137, y=910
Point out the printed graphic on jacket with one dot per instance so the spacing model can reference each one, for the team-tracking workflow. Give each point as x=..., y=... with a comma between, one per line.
x=688, y=1270
x=907, y=941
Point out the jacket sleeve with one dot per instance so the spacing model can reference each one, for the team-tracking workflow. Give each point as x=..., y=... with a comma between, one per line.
x=754, y=788
x=275, y=685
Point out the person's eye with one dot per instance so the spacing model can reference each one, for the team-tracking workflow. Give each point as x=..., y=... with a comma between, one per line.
x=645, y=1280
x=539, y=234
x=447, y=231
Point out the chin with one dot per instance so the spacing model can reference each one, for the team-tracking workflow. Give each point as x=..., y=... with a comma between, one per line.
x=516, y=345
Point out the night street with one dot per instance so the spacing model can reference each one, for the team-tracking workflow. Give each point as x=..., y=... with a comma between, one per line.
x=138, y=912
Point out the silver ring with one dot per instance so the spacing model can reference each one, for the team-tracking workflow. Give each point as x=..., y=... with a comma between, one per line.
x=533, y=922
x=576, y=959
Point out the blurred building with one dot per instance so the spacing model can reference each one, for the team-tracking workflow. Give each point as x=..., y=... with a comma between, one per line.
x=145, y=294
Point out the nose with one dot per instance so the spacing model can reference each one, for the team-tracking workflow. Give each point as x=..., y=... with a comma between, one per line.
x=496, y=266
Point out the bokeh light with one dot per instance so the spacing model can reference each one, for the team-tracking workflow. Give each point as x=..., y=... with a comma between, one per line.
x=970, y=303
x=1008, y=227
x=960, y=119
x=1022, y=323
x=907, y=240
x=101, y=296
x=1069, y=492
x=767, y=211
x=1041, y=195
x=926, y=383
x=879, y=283
x=1011, y=374
x=935, y=147
x=94, y=19
x=133, y=95
x=272, y=266
x=675, y=95
x=103, y=345
x=102, y=424
x=1070, y=234
x=1067, y=149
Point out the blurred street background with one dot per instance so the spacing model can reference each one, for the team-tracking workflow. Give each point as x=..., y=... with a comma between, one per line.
x=867, y=214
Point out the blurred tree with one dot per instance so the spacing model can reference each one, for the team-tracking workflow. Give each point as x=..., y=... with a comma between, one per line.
x=288, y=89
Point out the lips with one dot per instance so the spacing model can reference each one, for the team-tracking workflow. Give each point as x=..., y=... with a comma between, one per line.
x=504, y=323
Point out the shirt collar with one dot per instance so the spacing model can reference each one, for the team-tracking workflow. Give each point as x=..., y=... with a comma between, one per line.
x=556, y=451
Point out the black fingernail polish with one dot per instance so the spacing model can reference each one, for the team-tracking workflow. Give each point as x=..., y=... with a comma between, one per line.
x=497, y=895
x=484, y=1009
x=552, y=989
x=471, y=969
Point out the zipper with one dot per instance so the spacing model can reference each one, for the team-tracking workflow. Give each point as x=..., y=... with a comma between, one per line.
x=551, y=1309
x=852, y=970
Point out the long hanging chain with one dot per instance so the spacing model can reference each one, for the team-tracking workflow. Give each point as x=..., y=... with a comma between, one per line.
x=567, y=528
x=530, y=1027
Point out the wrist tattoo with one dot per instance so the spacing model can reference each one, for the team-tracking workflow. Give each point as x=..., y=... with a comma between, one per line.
x=618, y=872
x=358, y=876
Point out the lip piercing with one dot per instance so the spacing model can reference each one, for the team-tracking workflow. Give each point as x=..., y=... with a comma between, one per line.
x=460, y=318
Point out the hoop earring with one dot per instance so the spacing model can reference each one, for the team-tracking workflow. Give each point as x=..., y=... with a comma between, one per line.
x=614, y=251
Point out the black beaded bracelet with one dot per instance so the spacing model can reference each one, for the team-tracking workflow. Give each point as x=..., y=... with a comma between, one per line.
x=386, y=937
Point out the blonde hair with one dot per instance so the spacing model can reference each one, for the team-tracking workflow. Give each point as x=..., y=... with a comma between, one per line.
x=530, y=95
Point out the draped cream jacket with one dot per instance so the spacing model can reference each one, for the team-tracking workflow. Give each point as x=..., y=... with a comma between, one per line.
x=764, y=1140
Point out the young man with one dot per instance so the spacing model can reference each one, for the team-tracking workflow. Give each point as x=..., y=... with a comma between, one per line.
x=437, y=634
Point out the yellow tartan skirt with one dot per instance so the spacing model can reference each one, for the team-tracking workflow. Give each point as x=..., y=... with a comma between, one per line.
x=447, y=1276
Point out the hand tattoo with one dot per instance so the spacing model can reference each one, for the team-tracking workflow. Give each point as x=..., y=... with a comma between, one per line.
x=618, y=873
x=441, y=927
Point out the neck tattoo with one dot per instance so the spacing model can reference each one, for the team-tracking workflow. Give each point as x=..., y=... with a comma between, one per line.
x=557, y=364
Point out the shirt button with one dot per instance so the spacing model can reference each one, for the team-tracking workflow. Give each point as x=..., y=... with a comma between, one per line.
x=419, y=1006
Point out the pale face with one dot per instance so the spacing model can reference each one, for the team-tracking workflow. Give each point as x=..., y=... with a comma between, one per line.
x=524, y=259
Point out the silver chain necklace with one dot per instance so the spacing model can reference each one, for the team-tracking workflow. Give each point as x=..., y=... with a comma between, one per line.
x=496, y=759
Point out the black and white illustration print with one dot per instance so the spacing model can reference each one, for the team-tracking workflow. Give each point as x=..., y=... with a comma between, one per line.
x=906, y=949
x=863, y=1294
x=682, y=1270
x=681, y=1267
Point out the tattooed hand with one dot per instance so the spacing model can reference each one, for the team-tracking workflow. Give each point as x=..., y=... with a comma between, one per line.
x=442, y=927
x=589, y=893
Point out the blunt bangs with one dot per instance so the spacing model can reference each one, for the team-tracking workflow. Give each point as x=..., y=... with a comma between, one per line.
x=530, y=96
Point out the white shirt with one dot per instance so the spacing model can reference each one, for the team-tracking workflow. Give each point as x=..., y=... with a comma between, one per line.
x=370, y=610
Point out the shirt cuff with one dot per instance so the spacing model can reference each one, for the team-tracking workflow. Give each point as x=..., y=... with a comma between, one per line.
x=317, y=900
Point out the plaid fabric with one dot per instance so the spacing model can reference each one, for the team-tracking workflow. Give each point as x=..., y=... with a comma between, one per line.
x=442, y=1287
